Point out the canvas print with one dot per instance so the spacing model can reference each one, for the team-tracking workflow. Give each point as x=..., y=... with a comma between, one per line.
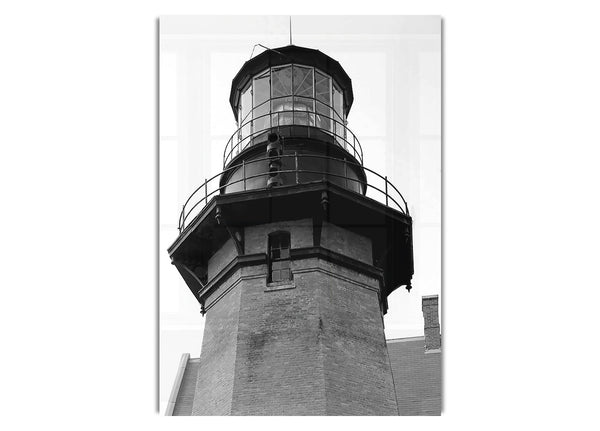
x=300, y=215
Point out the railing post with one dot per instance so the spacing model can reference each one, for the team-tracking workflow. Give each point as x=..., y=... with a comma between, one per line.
x=205, y=192
x=244, y=172
x=346, y=172
x=296, y=164
x=386, y=192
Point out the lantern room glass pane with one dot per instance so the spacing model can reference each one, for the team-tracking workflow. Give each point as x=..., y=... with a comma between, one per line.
x=303, y=111
x=304, y=104
x=281, y=111
x=245, y=109
x=340, y=134
x=261, y=88
x=281, y=84
x=260, y=102
x=303, y=81
x=246, y=103
x=322, y=88
x=338, y=103
x=323, y=121
x=262, y=119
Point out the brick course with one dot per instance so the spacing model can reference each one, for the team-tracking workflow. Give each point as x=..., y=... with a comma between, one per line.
x=433, y=339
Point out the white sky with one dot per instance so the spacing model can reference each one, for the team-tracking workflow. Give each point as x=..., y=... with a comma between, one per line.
x=395, y=67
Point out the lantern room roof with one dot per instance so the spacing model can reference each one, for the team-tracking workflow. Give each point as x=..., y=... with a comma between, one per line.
x=288, y=55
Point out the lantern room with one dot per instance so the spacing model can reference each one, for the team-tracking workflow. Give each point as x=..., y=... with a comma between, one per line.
x=291, y=86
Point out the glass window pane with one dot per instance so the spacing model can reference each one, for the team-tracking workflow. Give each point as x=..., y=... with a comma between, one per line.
x=323, y=121
x=285, y=274
x=340, y=134
x=322, y=88
x=303, y=104
x=338, y=103
x=261, y=89
x=285, y=253
x=282, y=82
x=282, y=111
x=246, y=103
x=262, y=119
x=303, y=81
x=244, y=136
x=300, y=118
x=276, y=276
x=245, y=108
x=261, y=95
x=274, y=241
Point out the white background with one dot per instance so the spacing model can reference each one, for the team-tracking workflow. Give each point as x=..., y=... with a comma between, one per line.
x=395, y=67
x=78, y=174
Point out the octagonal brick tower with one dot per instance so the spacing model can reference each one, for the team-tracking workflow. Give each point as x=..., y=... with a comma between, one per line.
x=292, y=251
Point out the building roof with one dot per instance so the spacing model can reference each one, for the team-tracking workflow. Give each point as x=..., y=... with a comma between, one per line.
x=417, y=377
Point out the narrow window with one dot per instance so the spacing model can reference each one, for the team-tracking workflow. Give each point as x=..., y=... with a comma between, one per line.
x=279, y=257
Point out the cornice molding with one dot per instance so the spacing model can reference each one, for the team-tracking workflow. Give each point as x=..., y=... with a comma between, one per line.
x=319, y=252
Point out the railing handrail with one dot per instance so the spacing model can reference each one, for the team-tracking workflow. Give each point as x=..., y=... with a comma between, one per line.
x=184, y=215
x=248, y=119
x=358, y=155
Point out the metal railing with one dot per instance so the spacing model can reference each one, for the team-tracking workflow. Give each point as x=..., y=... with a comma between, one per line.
x=387, y=193
x=260, y=124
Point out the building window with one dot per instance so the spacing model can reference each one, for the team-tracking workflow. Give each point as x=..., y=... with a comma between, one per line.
x=279, y=257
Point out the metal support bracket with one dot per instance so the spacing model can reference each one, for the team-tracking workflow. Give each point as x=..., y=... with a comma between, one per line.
x=236, y=233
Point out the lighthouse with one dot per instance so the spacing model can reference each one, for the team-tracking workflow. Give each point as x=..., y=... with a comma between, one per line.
x=291, y=250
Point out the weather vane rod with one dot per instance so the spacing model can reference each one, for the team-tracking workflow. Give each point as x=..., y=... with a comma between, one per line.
x=290, y=29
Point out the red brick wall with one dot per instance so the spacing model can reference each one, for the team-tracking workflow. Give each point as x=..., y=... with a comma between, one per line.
x=348, y=243
x=255, y=237
x=431, y=319
x=358, y=378
x=417, y=377
x=314, y=346
x=217, y=361
x=278, y=366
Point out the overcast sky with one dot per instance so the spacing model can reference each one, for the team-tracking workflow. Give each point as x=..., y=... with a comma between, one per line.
x=395, y=67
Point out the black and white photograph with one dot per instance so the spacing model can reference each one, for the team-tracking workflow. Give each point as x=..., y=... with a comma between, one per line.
x=300, y=215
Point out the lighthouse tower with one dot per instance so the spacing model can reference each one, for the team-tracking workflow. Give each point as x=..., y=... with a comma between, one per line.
x=292, y=251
